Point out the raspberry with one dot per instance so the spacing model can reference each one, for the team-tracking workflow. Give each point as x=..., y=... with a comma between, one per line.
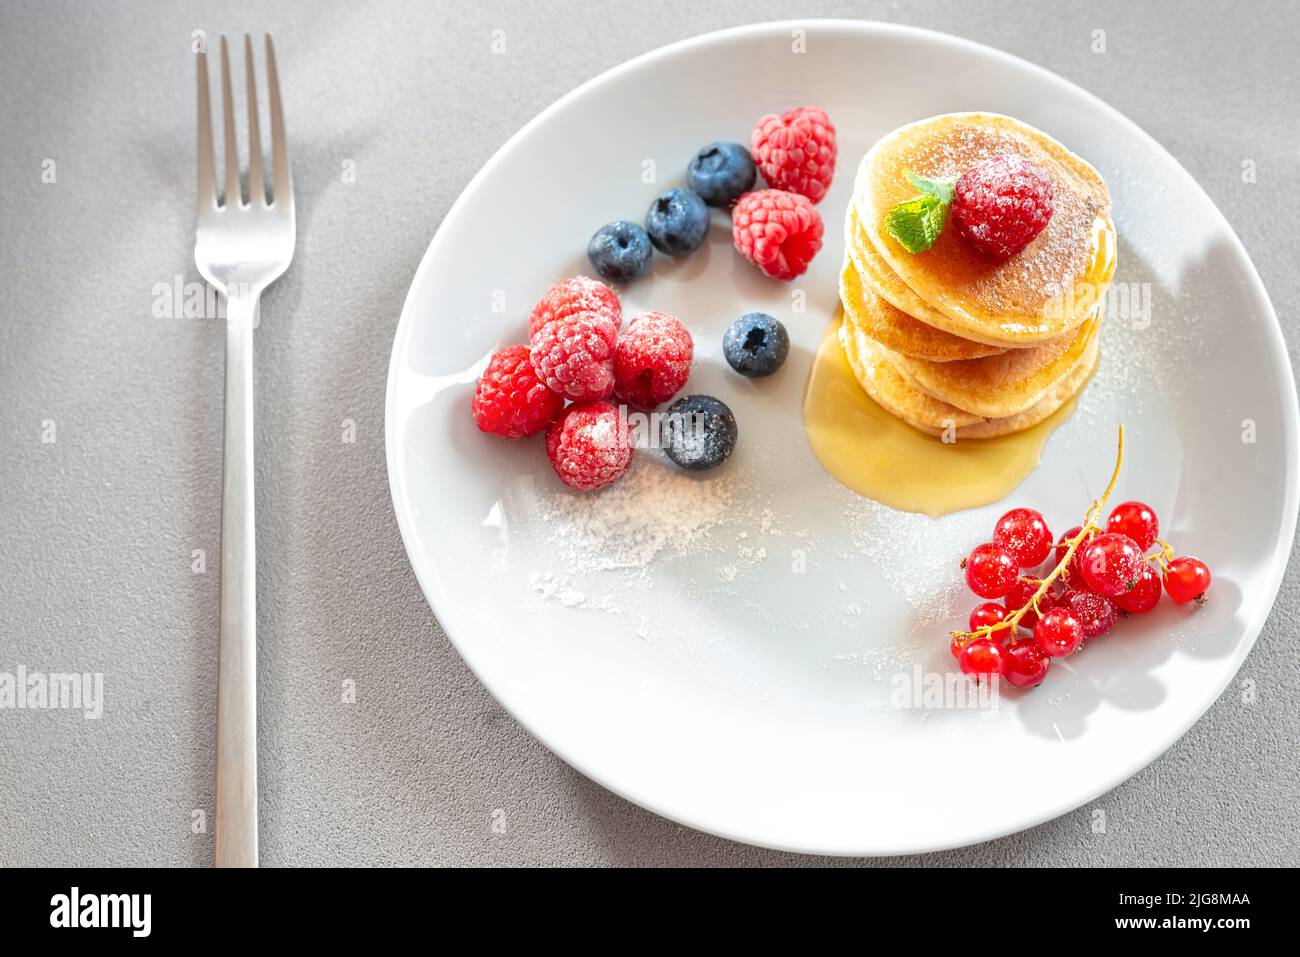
x=778, y=232
x=576, y=357
x=796, y=151
x=1001, y=204
x=589, y=446
x=570, y=296
x=652, y=360
x=509, y=400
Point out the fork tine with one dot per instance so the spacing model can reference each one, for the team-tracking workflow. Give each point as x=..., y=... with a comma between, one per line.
x=281, y=182
x=207, y=193
x=232, y=195
x=256, y=185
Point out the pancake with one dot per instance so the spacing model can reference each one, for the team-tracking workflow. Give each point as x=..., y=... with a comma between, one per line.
x=876, y=275
x=1001, y=385
x=887, y=387
x=1043, y=292
x=899, y=331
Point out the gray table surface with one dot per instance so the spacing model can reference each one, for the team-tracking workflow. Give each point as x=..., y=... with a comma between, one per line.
x=98, y=528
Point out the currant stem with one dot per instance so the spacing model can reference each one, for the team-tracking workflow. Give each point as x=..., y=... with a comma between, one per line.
x=1089, y=525
x=1163, y=556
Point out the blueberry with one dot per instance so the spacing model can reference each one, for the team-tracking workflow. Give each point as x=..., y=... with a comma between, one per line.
x=620, y=251
x=701, y=432
x=721, y=172
x=677, y=222
x=756, y=345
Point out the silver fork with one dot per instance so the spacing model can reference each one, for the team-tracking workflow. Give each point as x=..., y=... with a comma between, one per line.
x=241, y=248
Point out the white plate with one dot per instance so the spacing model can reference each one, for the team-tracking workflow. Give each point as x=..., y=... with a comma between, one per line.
x=710, y=680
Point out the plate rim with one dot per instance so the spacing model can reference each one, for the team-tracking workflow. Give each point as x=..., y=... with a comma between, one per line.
x=452, y=622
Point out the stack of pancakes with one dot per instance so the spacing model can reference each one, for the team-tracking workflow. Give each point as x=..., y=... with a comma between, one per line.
x=949, y=341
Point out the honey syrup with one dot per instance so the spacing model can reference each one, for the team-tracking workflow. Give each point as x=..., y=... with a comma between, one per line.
x=885, y=459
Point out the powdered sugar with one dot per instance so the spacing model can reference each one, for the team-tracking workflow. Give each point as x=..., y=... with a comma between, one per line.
x=654, y=510
x=605, y=550
x=602, y=433
x=562, y=589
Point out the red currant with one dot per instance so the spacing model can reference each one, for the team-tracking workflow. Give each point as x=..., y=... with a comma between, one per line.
x=1024, y=533
x=1144, y=596
x=1186, y=579
x=1111, y=564
x=1096, y=614
x=981, y=656
x=1072, y=571
x=989, y=613
x=1137, y=520
x=1058, y=633
x=990, y=570
x=1019, y=596
x=1024, y=664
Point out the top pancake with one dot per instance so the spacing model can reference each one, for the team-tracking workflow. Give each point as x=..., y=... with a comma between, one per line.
x=885, y=321
x=1046, y=290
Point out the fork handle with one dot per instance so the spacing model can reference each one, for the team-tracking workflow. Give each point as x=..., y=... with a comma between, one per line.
x=235, y=827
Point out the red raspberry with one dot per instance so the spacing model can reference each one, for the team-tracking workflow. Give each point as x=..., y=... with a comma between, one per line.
x=589, y=446
x=652, y=360
x=570, y=296
x=576, y=357
x=509, y=400
x=1001, y=204
x=796, y=151
x=778, y=232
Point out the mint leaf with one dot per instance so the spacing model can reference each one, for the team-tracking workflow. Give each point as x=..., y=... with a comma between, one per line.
x=917, y=223
x=941, y=189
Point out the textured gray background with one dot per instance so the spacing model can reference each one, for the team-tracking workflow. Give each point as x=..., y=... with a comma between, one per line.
x=97, y=529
